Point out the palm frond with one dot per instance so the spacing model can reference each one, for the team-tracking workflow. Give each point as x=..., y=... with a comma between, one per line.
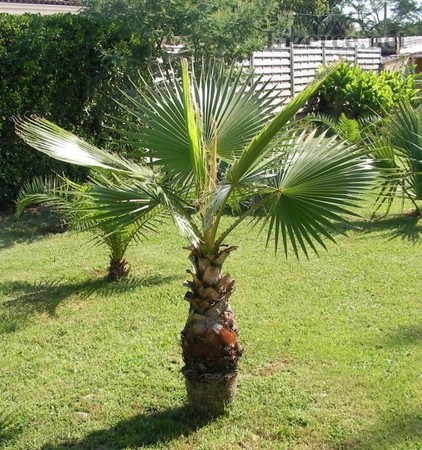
x=60, y=144
x=193, y=127
x=318, y=182
x=406, y=138
x=233, y=107
x=160, y=132
x=352, y=130
x=259, y=148
x=121, y=202
x=323, y=119
x=230, y=110
x=259, y=151
x=349, y=129
x=391, y=172
x=52, y=191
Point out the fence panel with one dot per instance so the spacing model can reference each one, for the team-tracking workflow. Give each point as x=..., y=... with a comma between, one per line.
x=288, y=70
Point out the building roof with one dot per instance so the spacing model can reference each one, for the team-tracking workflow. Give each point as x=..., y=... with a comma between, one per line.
x=39, y=6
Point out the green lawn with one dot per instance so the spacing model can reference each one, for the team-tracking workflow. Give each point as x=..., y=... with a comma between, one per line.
x=333, y=345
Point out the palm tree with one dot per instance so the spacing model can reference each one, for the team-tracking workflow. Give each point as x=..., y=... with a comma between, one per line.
x=405, y=138
x=216, y=141
x=395, y=145
x=71, y=201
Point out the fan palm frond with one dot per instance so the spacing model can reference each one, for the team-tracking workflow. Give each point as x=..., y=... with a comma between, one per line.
x=75, y=202
x=60, y=144
x=216, y=134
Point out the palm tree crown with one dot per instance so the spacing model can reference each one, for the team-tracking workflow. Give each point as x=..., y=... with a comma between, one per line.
x=218, y=142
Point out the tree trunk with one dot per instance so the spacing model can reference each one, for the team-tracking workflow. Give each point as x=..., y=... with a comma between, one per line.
x=118, y=269
x=210, y=344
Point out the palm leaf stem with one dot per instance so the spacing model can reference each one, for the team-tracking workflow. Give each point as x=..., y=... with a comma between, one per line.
x=196, y=150
x=412, y=199
x=219, y=241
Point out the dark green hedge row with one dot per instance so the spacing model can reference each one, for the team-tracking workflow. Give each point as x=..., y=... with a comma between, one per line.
x=54, y=66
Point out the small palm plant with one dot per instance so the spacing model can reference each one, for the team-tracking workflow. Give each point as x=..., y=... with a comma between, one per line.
x=394, y=144
x=405, y=134
x=216, y=141
x=71, y=201
x=396, y=148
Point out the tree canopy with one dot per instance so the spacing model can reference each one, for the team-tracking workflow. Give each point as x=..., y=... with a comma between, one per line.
x=402, y=16
x=223, y=28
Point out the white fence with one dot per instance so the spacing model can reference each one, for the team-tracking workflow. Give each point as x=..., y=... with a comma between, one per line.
x=289, y=69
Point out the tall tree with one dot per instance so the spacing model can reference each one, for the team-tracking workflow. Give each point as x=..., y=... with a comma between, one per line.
x=369, y=15
x=222, y=28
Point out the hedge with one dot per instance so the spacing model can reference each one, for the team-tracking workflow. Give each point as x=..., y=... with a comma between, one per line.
x=54, y=66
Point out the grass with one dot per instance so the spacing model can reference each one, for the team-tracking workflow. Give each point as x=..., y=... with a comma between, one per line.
x=333, y=345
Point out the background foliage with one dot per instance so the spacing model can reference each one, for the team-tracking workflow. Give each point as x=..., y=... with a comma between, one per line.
x=61, y=67
x=403, y=16
x=356, y=93
x=236, y=26
x=222, y=28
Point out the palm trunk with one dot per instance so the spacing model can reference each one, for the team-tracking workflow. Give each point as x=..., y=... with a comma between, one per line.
x=118, y=269
x=210, y=344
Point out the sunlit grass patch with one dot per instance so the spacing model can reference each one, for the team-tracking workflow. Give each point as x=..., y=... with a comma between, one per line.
x=332, y=344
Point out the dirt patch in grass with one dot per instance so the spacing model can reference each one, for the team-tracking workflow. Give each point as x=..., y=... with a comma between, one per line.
x=267, y=369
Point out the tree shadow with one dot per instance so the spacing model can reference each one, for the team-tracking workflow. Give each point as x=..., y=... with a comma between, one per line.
x=403, y=226
x=34, y=225
x=139, y=431
x=8, y=430
x=406, y=335
x=390, y=432
x=26, y=298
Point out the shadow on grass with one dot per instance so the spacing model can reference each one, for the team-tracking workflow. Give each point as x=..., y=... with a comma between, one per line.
x=8, y=430
x=139, y=431
x=44, y=298
x=404, y=226
x=398, y=431
x=34, y=225
x=406, y=335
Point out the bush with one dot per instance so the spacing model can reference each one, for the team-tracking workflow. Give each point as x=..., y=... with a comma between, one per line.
x=356, y=93
x=54, y=66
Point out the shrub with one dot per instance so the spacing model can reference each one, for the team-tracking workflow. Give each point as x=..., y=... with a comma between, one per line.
x=356, y=93
x=54, y=66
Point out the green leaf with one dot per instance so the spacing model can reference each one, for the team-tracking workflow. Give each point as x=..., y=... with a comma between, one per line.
x=318, y=182
x=259, y=148
x=60, y=144
x=193, y=127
